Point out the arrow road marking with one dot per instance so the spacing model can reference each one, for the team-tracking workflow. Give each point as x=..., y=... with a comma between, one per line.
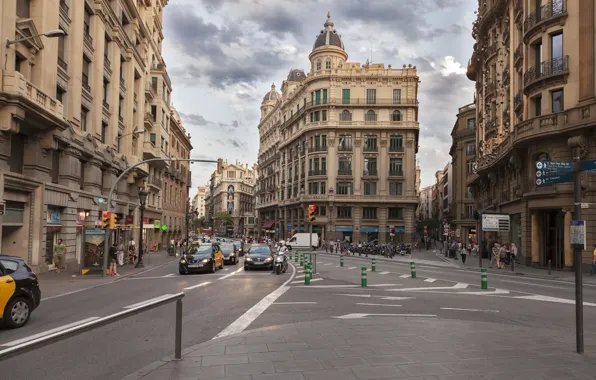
x=363, y=315
x=459, y=285
x=431, y=280
x=458, y=309
x=300, y=276
x=376, y=304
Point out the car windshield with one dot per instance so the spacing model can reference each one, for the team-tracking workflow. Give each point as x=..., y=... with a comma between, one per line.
x=227, y=248
x=202, y=250
x=260, y=251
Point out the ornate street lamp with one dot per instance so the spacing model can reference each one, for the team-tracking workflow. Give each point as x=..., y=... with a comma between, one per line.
x=142, y=199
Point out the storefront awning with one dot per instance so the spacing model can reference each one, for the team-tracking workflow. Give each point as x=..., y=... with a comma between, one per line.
x=268, y=225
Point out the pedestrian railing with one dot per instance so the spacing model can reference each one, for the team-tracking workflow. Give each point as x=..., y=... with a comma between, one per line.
x=92, y=325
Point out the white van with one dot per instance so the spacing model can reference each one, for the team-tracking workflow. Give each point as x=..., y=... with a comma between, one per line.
x=301, y=240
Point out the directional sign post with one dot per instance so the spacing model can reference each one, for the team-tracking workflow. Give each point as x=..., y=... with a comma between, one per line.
x=552, y=172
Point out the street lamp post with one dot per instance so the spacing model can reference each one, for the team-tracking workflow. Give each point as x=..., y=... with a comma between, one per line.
x=136, y=132
x=142, y=199
x=49, y=34
x=187, y=222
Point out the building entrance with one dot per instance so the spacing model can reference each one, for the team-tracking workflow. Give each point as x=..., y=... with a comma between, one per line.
x=552, y=239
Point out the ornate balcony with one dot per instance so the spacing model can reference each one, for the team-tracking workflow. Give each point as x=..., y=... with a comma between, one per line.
x=491, y=50
x=150, y=91
x=549, y=72
x=518, y=102
x=344, y=172
x=549, y=14
x=317, y=172
x=491, y=89
x=518, y=55
x=491, y=125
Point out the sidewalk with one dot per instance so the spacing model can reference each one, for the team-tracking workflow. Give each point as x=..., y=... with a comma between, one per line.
x=382, y=348
x=71, y=279
x=519, y=270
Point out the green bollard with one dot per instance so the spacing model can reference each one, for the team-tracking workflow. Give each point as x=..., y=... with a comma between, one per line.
x=483, y=278
x=309, y=269
x=341, y=261
x=302, y=259
x=413, y=269
x=307, y=275
x=296, y=257
x=363, y=277
x=374, y=266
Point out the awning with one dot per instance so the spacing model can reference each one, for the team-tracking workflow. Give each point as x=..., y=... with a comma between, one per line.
x=268, y=225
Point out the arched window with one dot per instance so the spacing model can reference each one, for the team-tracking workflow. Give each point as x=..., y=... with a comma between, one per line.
x=396, y=116
x=328, y=64
x=318, y=65
x=370, y=116
x=345, y=115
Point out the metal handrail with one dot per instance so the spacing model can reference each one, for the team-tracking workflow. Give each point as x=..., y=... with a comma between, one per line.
x=92, y=325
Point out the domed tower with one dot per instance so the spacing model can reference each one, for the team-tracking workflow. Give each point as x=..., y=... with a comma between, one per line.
x=328, y=50
x=269, y=101
x=295, y=77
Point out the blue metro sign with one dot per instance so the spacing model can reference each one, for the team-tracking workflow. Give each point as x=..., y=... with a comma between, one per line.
x=553, y=179
x=554, y=166
x=552, y=172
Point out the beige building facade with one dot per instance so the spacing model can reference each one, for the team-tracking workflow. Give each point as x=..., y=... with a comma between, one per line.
x=344, y=138
x=533, y=64
x=231, y=194
x=84, y=107
x=463, y=161
x=198, y=201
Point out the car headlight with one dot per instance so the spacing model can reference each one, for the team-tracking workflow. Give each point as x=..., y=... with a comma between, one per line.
x=205, y=260
x=232, y=254
x=182, y=261
x=248, y=259
x=268, y=259
x=279, y=259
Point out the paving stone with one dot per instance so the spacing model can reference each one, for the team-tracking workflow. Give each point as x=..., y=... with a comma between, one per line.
x=330, y=374
x=461, y=376
x=320, y=354
x=211, y=350
x=185, y=373
x=378, y=372
x=246, y=348
x=297, y=365
x=387, y=350
x=430, y=357
x=247, y=377
x=186, y=362
x=327, y=343
x=265, y=339
x=225, y=359
x=279, y=376
x=387, y=360
x=249, y=369
x=288, y=346
x=276, y=356
x=348, y=352
x=343, y=363
x=425, y=369
x=516, y=375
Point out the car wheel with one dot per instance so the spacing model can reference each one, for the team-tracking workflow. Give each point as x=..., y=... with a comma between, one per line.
x=246, y=269
x=182, y=273
x=17, y=313
x=213, y=267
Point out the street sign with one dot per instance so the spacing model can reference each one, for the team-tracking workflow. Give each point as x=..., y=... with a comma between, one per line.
x=578, y=232
x=495, y=222
x=100, y=200
x=585, y=205
x=553, y=179
x=555, y=166
x=589, y=165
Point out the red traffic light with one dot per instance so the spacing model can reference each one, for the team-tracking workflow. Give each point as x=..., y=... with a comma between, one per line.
x=425, y=227
x=312, y=208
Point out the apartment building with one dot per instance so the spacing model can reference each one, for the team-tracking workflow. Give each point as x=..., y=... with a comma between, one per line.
x=230, y=200
x=198, y=201
x=535, y=100
x=344, y=138
x=77, y=100
x=463, y=161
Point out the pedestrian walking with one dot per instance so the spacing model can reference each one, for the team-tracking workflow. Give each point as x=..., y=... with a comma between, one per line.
x=331, y=245
x=121, y=253
x=463, y=252
x=113, y=251
x=59, y=254
x=494, y=254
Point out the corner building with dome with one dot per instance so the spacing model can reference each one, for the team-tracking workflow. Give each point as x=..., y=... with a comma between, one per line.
x=343, y=137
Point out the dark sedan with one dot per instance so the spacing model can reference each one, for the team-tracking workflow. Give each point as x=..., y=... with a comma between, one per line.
x=19, y=291
x=258, y=257
x=206, y=258
x=230, y=252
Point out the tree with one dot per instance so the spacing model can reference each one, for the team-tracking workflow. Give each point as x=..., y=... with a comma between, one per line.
x=224, y=218
x=199, y=222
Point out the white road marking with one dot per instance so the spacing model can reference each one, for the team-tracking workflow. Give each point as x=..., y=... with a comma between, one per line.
x=431, y=280
x=300, y=276
x=405, y=276
x=327, y=286
x=396, y=298
x=147, y=301
x=197, y=285
x=382, y=285
x=231, y=274
x=480, y=293
x=376, y=304
x=384, y=272
x=327, y=264
x=337, y=266
x=355, y=295
x=363, y=315
x=552, y=299
x=459, y=285
x=458, y=309
x=302, y=281
x=352, y=267
x=68, y=293
x=293, y=303
x=48, y=332
x=259, y=308
x=170, y=275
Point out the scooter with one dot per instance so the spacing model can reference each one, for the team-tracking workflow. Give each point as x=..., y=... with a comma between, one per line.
x=281, y=263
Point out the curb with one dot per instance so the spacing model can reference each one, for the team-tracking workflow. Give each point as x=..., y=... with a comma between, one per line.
x=382, y=259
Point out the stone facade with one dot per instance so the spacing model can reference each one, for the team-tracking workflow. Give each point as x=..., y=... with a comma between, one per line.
x=344, y=138
x=198, y=202
x=75, y=112
x=535, y=89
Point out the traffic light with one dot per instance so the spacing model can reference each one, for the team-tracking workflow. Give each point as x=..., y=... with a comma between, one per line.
x=105, y=219
x=112, y=221
x=311, y=213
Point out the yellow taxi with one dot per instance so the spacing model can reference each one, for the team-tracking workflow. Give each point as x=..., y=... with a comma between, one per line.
x=203, y=258
x=19, y=292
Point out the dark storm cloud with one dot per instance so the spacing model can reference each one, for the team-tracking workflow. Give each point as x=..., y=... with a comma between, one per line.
x=193, y=118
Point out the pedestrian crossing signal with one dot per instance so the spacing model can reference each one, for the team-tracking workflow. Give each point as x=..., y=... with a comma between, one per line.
x=105, y=219
x=311, y=213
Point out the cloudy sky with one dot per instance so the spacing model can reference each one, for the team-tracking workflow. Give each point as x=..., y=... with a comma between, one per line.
x=223, y=55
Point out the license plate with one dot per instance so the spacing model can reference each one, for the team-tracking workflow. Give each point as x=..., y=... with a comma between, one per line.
x=259, y=263
x=195, y=265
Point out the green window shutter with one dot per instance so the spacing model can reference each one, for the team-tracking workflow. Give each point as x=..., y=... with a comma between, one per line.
x=345, y=96
x=325, y=96
x=318, y=97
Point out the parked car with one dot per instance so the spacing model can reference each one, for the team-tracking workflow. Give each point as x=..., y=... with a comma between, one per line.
x=19, y=292
x=204, y=258
x=302, y=240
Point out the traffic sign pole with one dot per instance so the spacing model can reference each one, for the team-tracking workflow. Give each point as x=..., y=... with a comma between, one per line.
x=577, y=259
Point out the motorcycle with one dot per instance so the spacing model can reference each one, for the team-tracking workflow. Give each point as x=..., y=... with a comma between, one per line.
x=281, y=263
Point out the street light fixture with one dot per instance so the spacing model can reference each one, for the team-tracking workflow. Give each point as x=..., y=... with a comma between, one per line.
x=142, y=199
x=135, y=133
x=49, y=34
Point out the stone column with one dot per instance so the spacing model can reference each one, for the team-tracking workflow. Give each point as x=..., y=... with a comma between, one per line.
x=93, y=173
x=535, y=243
x=70, y=168
x=356, y=220
x=382, y=218
x=332, y=162
x=36, y=161
x=586, y=52
x=567, y=240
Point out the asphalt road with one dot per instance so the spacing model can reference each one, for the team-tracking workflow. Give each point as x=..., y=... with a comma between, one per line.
x=113, y=351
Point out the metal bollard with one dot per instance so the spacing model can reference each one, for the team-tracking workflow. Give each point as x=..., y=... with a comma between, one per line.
x=310, y=266
x=413, y=269
x=549, y=267
x=302, y=259
x=178, y=337
x=296, y=257
x=363, y=276
x=341, y=261
x=484, y=278
x=373, y=267
x=307, y=275
x=512, y=264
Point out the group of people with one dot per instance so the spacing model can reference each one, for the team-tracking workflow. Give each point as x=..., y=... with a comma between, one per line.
x=338, y=245
x=503, y=254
